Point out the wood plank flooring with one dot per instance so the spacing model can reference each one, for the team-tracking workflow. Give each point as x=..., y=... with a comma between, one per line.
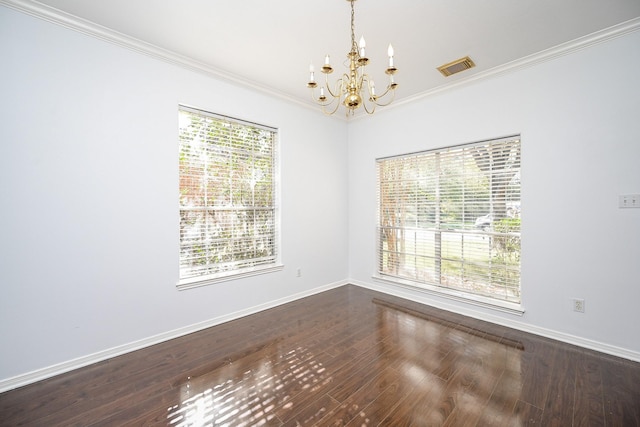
x=345, y=357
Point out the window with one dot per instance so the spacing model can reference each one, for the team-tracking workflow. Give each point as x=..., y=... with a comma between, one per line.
x=228, y=209
x=449, y=221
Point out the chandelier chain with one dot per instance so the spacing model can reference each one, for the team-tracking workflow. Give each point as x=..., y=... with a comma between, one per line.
x=354, y=47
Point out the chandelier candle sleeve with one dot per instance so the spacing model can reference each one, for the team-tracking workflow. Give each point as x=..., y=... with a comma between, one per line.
x=326, y=68
x=312, y=82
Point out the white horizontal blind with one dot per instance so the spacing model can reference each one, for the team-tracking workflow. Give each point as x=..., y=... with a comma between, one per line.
x=451, y=218
x=227, y=196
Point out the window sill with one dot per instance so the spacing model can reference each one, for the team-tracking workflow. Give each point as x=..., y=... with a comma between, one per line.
x=196, y=282
x=455, y=295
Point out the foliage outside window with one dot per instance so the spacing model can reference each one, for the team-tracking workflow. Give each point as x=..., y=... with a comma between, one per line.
x=228, y=215
x=449, y=219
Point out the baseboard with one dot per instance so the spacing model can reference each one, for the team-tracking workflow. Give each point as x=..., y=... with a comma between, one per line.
x=60, y=368
x=515, y=324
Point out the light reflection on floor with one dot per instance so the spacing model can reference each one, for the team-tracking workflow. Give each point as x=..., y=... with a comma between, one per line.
x=244, y=393
x=475, y=374
x=445, y=368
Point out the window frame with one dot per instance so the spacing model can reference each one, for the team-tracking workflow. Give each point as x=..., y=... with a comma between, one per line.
x=242, y=272
x=430, y=287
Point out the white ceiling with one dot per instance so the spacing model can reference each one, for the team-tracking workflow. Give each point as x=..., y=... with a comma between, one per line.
x=270, y=43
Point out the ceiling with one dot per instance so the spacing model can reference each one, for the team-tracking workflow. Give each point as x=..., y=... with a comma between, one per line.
x=270, y=44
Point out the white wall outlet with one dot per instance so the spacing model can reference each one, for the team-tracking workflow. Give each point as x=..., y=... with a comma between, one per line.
x=578, y=305
x=629, y=201
x=299, y=272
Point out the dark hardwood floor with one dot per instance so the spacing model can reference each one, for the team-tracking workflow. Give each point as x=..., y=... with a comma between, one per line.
x=346, y=357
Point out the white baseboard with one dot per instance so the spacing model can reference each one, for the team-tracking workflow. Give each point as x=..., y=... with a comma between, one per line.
x=60, y=368
x=514, y=324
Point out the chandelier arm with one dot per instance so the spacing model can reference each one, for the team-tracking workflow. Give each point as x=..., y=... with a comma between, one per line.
x=338, y=86
x=367, y=79
x=384, y=104
x=312, y=92
x=393, y=96
x=318, y=101
x=328, y=113
x=364, y=104
x=325, y=103
x=364, y=78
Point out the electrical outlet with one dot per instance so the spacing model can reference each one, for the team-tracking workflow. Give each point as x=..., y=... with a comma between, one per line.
x=629, y=201
x=578, y=305
x=299, y=272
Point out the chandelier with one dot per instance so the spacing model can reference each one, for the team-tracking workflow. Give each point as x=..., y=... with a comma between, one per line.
x=349, y=89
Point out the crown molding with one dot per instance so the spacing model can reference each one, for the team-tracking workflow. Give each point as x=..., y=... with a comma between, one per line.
x=550, y=54
x=84, y=26
x=75, y=23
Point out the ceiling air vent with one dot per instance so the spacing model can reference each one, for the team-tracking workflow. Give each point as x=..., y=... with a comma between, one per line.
x=456, y=66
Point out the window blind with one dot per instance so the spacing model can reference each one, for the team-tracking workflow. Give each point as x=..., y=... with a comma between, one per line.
x=450, y=218
x=228, y=221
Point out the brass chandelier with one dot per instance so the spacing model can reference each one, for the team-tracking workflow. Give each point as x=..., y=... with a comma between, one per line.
x=349, y=89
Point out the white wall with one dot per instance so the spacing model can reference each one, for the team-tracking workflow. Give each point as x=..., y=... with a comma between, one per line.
x=579, y=117
x=88, y=186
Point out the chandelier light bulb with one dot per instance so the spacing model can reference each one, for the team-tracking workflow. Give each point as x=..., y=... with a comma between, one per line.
x=362, y=46
x=311, y=72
